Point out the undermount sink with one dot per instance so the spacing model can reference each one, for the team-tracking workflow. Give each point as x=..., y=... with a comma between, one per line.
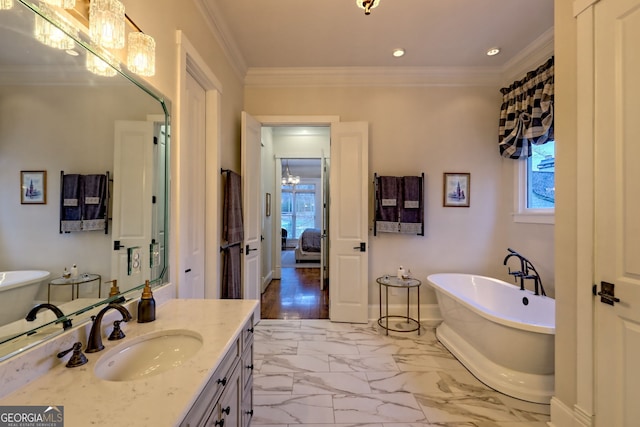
x=148, y=355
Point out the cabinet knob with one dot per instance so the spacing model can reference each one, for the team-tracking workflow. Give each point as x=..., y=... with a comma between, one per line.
x=227, y=410
x=220, y=423
x=250, y=330
x=250, y=367
x=223, y=381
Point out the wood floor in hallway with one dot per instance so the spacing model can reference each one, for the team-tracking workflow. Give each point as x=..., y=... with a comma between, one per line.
x=296, y=296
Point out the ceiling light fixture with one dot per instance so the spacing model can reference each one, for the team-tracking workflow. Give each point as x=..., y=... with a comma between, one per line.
x=367, y=5
x=106, y=23
x=493, y=51
x=287, y=178
x=100, y=67
x=6, y=4
x=141, y=55
x=49, y=34
x=399, y=52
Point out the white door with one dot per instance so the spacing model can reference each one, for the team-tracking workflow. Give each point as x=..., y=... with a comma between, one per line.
x=192, y=193
x=251, y=207
x=131, y=212
x=324, y=197
x=617, y=211
x=348, y=238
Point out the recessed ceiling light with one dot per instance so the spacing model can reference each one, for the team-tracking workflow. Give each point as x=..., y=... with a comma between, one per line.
x=493, y=51
x=398, y=52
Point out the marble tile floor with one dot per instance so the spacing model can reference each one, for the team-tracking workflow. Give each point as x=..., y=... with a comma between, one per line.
x=317, y=373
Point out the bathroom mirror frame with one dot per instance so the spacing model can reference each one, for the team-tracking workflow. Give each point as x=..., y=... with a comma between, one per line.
x=79, y=35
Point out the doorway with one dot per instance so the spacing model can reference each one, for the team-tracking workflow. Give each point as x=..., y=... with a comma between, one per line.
x=298, y=290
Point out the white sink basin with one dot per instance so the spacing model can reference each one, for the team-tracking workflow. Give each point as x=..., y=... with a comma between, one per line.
x=148, y=355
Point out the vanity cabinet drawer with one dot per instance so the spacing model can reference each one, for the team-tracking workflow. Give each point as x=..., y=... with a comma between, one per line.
x=205, y=404
x=247, y=333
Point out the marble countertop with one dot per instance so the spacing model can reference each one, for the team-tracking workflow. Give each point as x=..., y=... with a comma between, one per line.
x=163, y=399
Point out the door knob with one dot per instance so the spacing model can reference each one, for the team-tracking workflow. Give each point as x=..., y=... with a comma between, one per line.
x=607, y=294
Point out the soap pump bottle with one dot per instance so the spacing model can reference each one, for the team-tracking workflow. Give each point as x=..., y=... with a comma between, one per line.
x=400, y=274
x=114, y=288
x=146, y=305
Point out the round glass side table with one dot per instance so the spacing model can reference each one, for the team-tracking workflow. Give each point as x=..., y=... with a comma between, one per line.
x=387, y=282
x=75, y=284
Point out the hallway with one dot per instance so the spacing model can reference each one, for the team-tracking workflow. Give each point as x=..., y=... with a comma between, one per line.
x=296, y=296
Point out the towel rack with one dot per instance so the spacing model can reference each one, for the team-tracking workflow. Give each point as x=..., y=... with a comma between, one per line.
x=396, y=225
x=107, y=200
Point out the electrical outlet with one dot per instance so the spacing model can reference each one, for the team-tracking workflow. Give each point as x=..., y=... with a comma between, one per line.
x=135, y=260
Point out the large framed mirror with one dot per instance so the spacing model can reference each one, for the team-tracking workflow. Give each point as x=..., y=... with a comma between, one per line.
x=63, y=130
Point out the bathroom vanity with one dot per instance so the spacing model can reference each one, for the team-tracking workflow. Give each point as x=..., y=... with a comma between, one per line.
x=212, y=383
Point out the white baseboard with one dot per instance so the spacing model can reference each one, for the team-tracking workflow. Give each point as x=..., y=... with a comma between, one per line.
x=266, y=280
x=564, y=416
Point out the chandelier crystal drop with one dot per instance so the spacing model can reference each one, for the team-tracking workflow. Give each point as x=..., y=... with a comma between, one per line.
x=106, y=23
x=141, y=56
x=49, y=34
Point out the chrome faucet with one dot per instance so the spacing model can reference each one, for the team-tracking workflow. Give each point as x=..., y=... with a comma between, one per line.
x=526, y=267
x=31, y=316
x=94, y=343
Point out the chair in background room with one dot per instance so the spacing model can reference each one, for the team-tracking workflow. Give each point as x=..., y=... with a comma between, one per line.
x=284, y=239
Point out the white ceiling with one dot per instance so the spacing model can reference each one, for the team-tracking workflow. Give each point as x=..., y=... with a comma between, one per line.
x=336, y=33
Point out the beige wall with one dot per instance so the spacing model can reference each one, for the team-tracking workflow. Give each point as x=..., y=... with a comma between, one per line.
x=432, y=130
x=566, y=186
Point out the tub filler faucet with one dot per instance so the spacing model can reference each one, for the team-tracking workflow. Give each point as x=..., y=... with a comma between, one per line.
x=31, y=316
x=94, y=343
x=527, y=271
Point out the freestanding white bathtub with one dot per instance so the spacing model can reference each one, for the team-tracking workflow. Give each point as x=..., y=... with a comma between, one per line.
x=502, y=335
x=20, y=287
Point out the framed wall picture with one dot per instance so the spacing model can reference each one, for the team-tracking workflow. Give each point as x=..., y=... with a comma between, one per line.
x=33, y=187
x=457, y=189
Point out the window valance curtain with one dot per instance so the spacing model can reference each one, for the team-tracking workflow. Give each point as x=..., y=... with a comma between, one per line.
x=526, y=114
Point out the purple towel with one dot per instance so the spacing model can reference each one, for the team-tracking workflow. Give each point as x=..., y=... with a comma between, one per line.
x=388, y=195
x=93, y=202
x=71, y=211
x=411, y=206
x=231, y=273
x=232, y=228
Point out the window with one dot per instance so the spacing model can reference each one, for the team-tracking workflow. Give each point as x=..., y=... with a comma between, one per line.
x=298, y=208
x=535, y=201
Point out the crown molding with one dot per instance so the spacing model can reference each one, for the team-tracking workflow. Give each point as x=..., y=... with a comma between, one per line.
x=222, y=34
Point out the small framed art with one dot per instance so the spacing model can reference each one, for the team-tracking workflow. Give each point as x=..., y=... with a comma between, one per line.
x=33, y=187
x=457, y=189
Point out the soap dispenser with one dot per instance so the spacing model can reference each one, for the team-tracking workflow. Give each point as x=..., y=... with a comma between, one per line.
x=146, y=305
x=114, y=288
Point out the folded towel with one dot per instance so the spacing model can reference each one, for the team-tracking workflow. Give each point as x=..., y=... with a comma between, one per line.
x=388, y=193
x=411, y=210
x=71, y=211
x=93, y=202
